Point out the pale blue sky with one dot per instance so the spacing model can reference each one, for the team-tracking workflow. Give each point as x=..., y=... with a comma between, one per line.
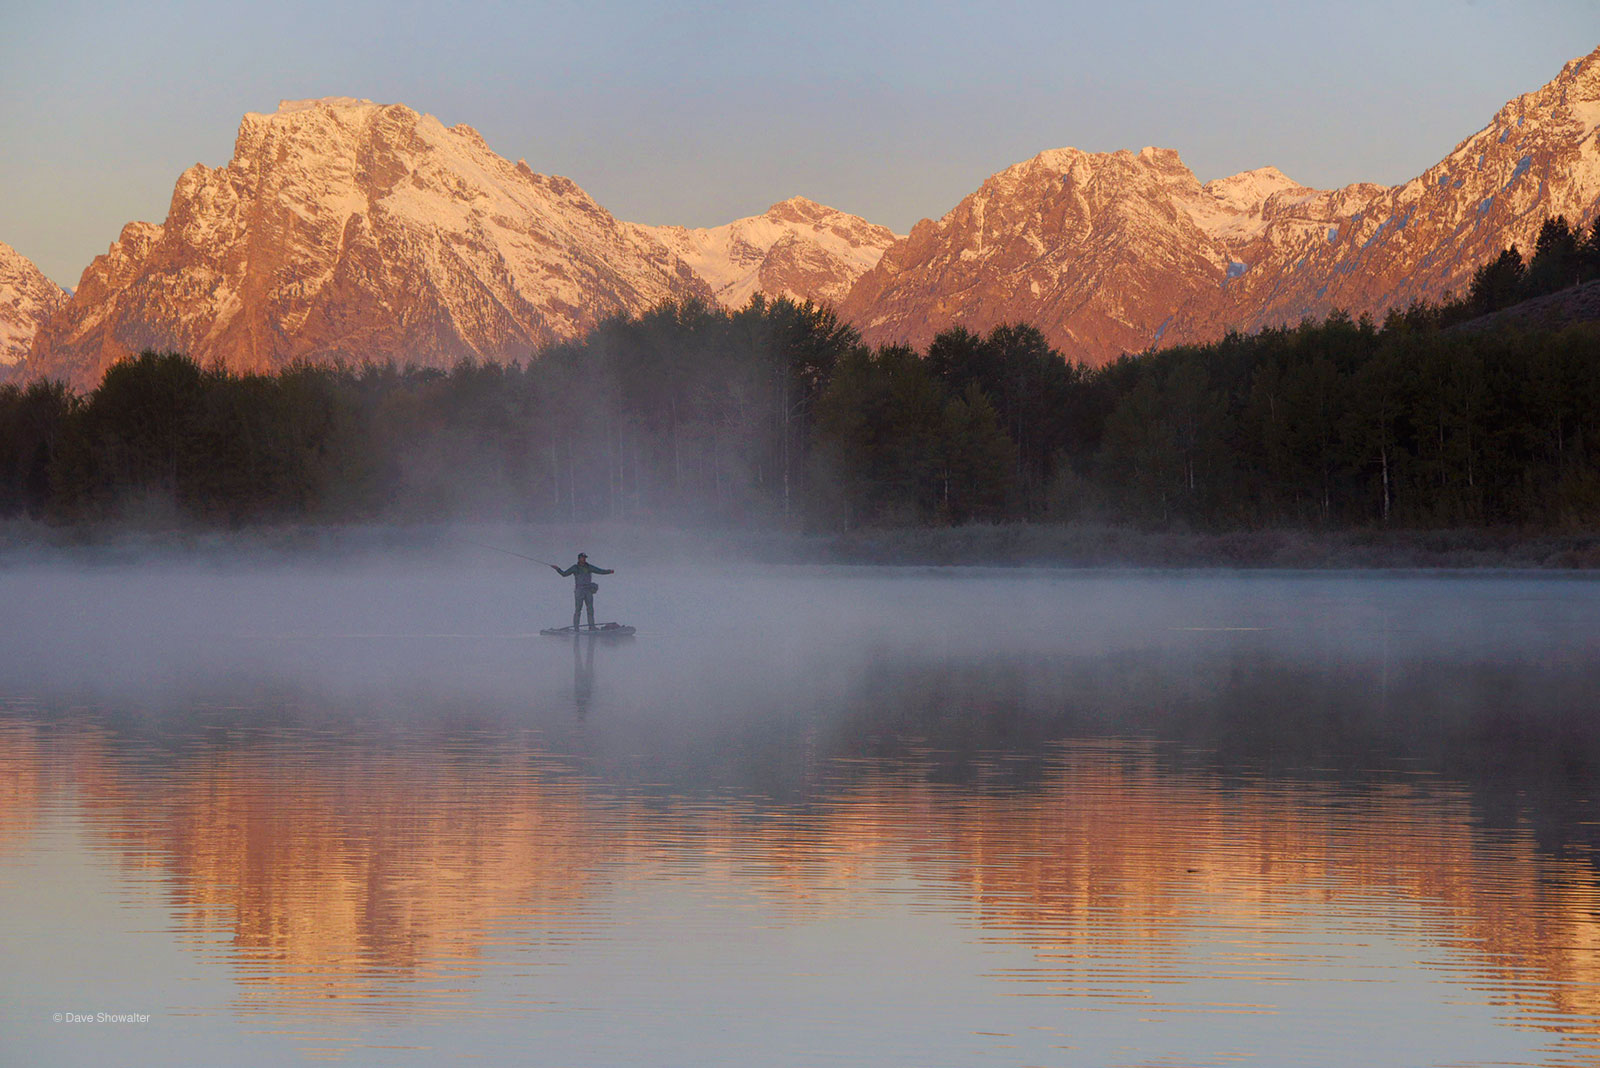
x=699, y=113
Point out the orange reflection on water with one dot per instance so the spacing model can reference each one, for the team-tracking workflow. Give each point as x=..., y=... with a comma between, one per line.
x=21, y=785
x=329, y=873
x=338, y=879
x=1124, y=875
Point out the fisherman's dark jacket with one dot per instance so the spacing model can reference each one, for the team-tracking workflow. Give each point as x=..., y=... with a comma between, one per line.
x=582, y=570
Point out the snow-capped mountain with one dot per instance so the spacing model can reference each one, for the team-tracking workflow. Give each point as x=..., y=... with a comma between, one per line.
x=1538, y=157
x=797, y=248
x=1096, y=249
x=27, y=299
x=343, y=230
x=1115, y=252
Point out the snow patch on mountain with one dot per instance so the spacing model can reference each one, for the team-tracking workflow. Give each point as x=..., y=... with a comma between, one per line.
x=797, y=248
x=344, y=230
x=1234, y=208
x=1113, y=252
x=27, y=300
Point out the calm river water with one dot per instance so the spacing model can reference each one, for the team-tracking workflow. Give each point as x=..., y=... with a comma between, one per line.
x=363, y=812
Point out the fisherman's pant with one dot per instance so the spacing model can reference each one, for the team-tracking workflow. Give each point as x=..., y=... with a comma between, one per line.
x=579, y=602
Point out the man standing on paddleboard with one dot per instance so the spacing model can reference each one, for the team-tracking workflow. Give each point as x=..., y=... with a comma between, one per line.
x=584, y=587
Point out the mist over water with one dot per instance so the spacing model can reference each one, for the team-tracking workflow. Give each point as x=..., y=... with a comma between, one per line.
x=809, y=815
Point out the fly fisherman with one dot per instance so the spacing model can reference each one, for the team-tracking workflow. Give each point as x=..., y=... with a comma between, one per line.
x=584, y=587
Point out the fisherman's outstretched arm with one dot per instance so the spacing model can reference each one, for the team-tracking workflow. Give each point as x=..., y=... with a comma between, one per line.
x=568, y=572
x=603, y=570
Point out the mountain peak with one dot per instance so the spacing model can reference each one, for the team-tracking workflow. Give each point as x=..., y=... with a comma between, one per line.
x=344, y=230
x=797, y=248
x=1582, y=78
x=1114, y=252
x=286, y=107
x=1247, y=191
x=1166, y=158
x=1568, y=105
x=1584, y=68
x=1056, y=159
x=798, y=209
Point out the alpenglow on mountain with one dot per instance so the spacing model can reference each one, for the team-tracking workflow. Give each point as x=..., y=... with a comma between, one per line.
x=797, y=248
x=27, y=300
x=343, y=230
x=1115, y=252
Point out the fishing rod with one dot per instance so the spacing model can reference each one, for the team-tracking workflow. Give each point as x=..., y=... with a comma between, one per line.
x=508, y=552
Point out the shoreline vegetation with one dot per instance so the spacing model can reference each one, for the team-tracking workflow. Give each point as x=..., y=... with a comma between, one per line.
x=978, y=545
x=1423, y=441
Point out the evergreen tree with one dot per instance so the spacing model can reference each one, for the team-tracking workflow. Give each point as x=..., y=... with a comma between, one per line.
x=140, y=427
x=1497, y=284
x=1555, y=264
x=977, y=459
x=1589, y=253
x=34, y=422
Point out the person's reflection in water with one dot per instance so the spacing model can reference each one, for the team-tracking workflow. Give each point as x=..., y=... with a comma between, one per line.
x=583, y=673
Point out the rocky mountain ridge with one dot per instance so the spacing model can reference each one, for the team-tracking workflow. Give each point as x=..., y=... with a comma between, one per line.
x=1538, y=157
x=797, y=248
x=27, y=300
x=1115, y=252
x=343, y=230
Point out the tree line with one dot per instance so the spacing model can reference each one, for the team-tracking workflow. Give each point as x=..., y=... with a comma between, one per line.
x=1562, y=257
x=777, y=415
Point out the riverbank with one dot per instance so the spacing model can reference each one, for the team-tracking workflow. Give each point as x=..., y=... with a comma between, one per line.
x=1081, y=545
x=1088, y=545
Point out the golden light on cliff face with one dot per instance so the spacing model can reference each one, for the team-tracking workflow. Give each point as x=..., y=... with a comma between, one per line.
x=392, y=875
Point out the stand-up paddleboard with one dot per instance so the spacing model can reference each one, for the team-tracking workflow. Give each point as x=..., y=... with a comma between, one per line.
x=591, y=630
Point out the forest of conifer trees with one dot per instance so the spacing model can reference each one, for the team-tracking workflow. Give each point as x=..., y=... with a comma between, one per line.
x=776, y=415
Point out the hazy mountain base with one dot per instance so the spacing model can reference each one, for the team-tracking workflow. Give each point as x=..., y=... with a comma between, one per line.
x=1072, y=545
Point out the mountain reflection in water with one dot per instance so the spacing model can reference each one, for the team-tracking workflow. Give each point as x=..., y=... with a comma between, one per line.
x=1190, y=834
